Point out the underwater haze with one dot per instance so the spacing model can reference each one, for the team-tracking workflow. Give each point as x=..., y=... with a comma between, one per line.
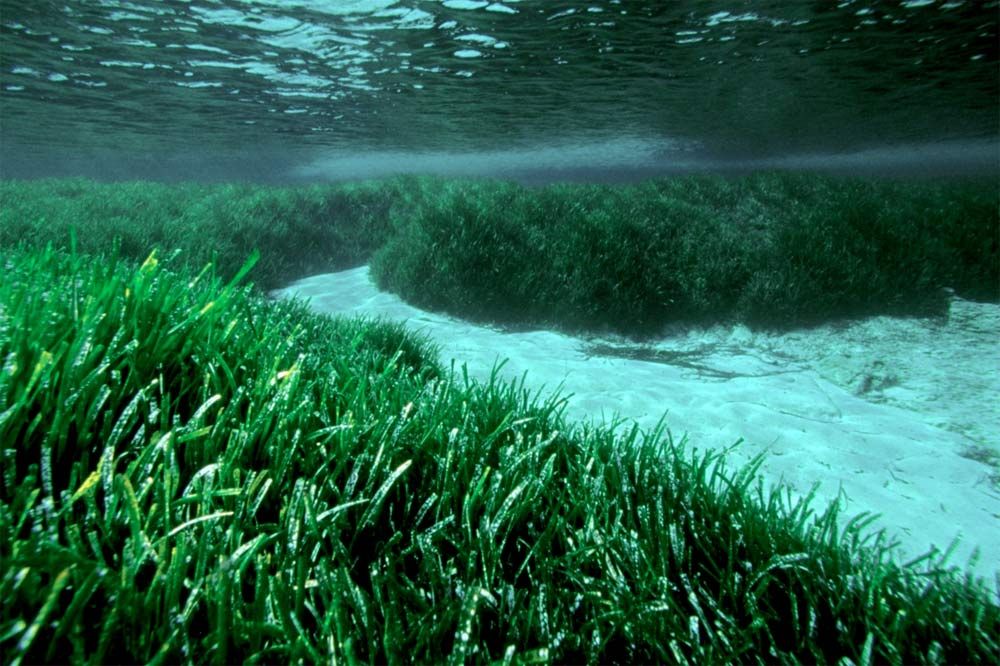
x=598, y=90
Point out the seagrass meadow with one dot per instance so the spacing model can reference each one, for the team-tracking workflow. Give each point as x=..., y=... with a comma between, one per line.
x=195, y=473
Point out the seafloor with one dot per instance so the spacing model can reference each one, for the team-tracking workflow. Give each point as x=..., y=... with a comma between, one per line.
x=895, y=416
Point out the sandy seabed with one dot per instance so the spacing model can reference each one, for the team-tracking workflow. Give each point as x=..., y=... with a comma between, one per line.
x=896, y=416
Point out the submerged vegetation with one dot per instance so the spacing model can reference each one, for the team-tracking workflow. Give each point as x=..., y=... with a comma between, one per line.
x=194, y=473
x=775, y=250
x=305, y=229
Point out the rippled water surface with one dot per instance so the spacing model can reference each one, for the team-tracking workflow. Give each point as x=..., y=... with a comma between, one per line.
x=724, y=78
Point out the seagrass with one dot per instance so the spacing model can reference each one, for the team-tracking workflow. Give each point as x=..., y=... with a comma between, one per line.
x=194, y=473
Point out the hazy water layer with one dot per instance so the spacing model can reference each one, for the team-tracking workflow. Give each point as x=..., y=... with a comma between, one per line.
x=727, y=78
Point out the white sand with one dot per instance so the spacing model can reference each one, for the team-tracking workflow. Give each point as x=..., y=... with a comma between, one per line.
x=883, y=409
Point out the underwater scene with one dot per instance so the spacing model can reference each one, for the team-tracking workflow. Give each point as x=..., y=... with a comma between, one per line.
x=516, y=332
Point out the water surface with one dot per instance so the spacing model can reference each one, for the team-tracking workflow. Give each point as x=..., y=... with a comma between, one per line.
x=263, y=87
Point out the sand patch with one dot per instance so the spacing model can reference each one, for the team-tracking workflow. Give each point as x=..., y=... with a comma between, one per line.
x=882, y=412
